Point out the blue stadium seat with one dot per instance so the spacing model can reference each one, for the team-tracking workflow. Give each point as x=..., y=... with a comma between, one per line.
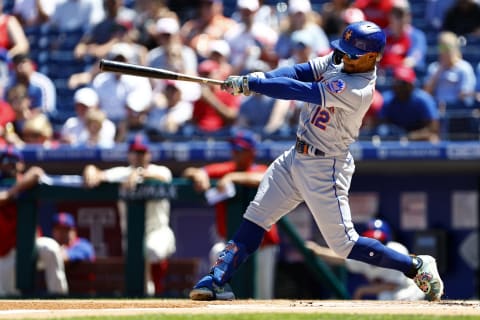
x=460, y=124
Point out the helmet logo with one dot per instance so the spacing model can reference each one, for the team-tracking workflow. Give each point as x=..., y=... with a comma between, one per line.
x=347, y=35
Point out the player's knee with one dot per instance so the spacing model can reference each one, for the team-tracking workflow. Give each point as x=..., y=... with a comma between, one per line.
x=341, y=247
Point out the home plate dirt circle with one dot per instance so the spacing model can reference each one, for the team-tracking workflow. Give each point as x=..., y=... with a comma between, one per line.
x=38, y=309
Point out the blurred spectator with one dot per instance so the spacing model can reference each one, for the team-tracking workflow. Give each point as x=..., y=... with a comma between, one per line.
x=371, y=119
x=264, y=115
x=303, y=44
x=12, y=168
x=301, y=17
x=209, y=24
x=266, y=14
x=462, y=18
x=33, y=13
x=332, y=16
x=159, y=237
x=407, y=110
x=38, y=130
x=12, y=37
x=377, y=11
x=251, y=42
x=72, y=15
x=114, y=88
x=169, y=118
x=303, y=51
x=220, y=52
x=148, y=13
x=172, y=55
x=17, y=97
x=40, y=88
x=73, y=248
x=406, y=45
x=216, y=110
x=451, y=80
x=241, y=170
x=136, y=55
x=114, y=28
x=76, y=130
x=138, y=109
x=94, y=120
x=435, y=12
x=7, y=117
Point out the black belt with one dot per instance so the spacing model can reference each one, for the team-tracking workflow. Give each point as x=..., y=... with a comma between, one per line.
x=305, y=148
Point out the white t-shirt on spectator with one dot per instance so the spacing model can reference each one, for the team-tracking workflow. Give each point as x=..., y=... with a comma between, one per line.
x=113, y=92
x=72, y=15
x=28, y=10
x=75, y=131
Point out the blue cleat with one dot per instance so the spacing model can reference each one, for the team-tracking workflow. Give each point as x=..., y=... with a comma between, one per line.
x=206, y=290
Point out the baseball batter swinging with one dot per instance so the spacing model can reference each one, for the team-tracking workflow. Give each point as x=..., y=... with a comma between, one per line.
x=339, y=89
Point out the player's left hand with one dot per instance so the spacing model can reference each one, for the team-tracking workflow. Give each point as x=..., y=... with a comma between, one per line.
x=237, y=85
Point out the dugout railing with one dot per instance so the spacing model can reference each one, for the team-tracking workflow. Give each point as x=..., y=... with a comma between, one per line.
x=178, y=190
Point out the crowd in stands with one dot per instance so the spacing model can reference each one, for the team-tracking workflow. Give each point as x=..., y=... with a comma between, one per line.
x=52, y=91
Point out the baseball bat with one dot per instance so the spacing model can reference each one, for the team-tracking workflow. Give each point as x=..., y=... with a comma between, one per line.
x=149, y=72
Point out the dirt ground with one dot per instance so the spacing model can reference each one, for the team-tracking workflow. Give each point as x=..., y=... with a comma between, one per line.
x=42, y=309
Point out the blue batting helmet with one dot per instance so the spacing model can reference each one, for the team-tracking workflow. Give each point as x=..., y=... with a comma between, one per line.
x=378, y=229
x=360, y=38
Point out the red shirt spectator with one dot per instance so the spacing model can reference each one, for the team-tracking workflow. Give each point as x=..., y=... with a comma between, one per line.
x=396, y=49
x=7, y=114
x=216, y=109
x=376, y=11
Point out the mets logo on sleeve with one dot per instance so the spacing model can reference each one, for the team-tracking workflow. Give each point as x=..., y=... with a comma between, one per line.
x=336, y=86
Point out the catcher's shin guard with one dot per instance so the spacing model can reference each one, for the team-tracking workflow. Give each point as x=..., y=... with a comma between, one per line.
x=228, y=262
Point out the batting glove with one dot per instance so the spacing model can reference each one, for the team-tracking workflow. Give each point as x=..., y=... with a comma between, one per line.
x=237, y=85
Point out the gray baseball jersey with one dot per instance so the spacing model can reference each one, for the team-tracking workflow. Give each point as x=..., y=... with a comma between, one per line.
x=322, y=182
x=334, y=125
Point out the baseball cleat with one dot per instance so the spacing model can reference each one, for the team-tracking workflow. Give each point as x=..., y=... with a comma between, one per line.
x=428, y=279
x=206, y=290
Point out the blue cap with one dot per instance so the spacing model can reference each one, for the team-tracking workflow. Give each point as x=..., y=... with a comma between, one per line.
x=360, y=38
x=378, y=229
x=10, y=155
x=64, y=219
x=139, y=143
x=244, y=140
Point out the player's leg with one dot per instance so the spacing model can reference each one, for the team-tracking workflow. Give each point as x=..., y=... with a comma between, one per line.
x=331, y=211
x=265, y=262
x=8, y=285
x=159, y=246
x=275, y=197
x=51, y=258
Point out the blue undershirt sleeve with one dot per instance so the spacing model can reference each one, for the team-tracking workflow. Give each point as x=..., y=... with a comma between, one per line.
x=302, y=72
x=287, y=89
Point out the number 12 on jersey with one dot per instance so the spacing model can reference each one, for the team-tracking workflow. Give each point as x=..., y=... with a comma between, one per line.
x=321, y=117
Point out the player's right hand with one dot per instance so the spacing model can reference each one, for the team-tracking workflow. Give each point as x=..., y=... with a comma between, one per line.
x=236, y=85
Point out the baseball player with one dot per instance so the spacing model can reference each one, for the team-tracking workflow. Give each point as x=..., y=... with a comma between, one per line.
x=159, y=237
x=339, y=89
x=48, y=250
x=385, y=284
